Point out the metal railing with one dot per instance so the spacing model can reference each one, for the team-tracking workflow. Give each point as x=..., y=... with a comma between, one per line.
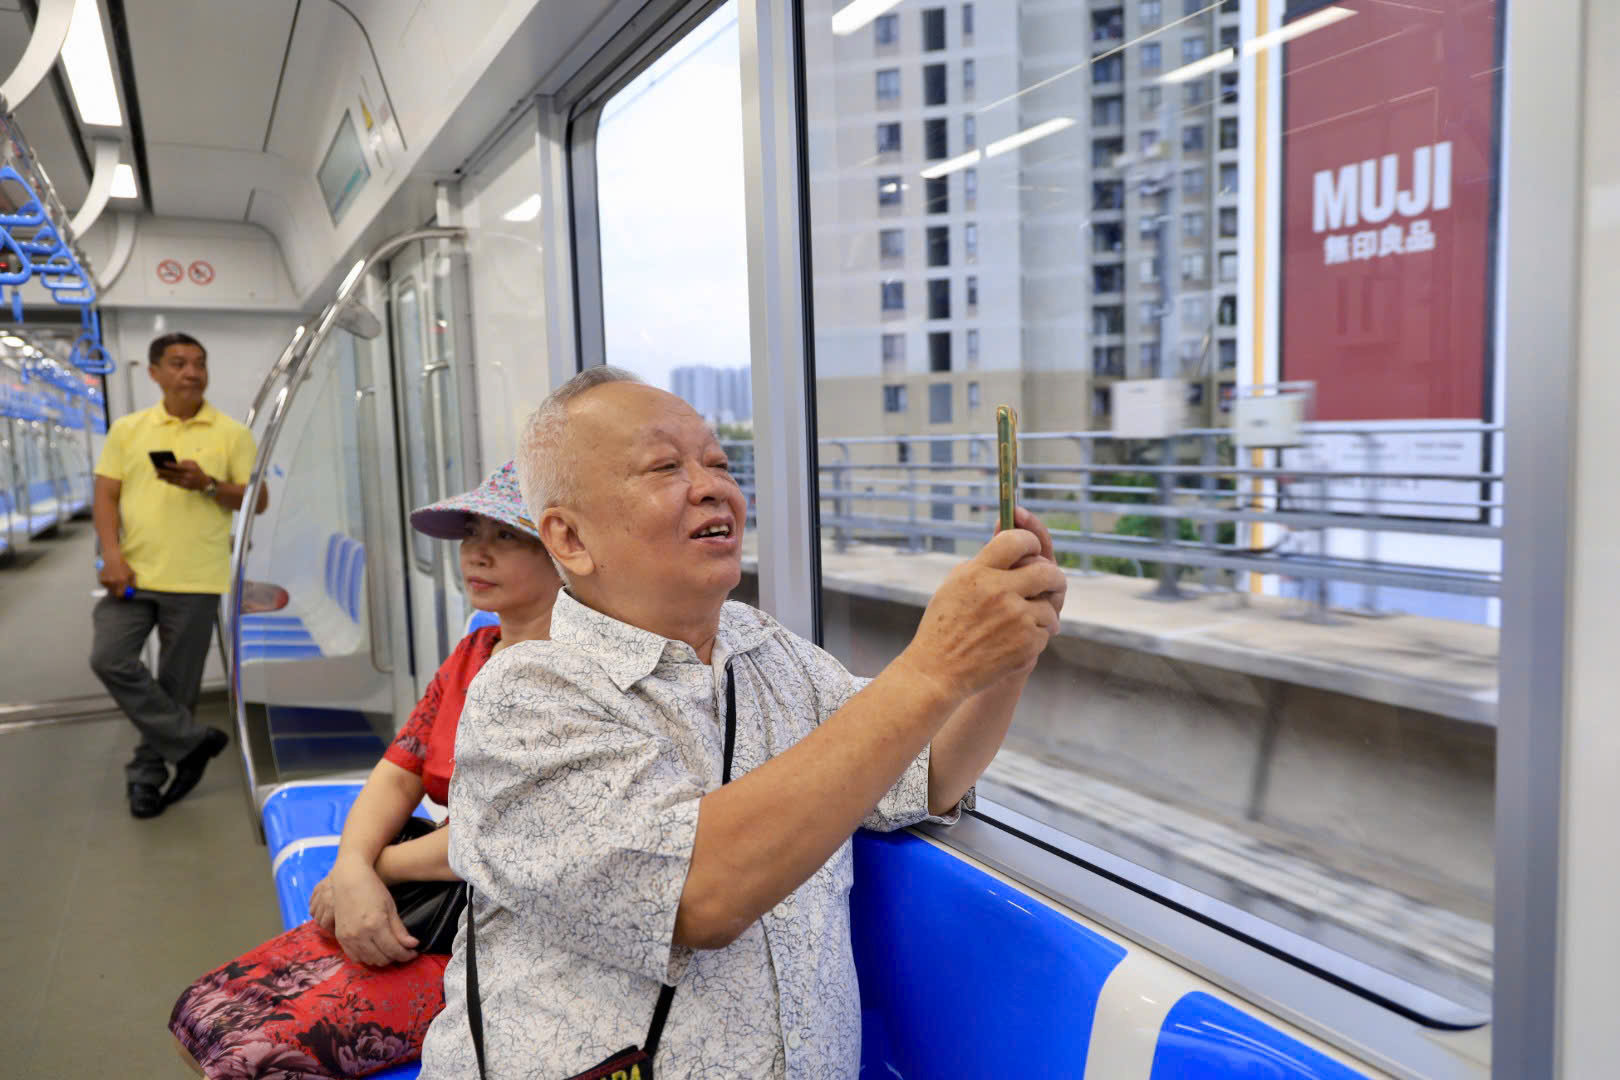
x=1186, y=489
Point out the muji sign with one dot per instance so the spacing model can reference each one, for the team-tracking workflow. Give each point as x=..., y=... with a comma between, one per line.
x=1389, y=173
x=1371, y=193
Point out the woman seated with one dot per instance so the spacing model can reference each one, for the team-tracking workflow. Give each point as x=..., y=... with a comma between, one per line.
x=348, y=992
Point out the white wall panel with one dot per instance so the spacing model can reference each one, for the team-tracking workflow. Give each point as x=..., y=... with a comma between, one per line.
x=1590, y=1040
x=221, y=265
x=241, y=347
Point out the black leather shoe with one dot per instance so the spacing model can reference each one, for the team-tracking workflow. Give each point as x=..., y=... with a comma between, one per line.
x=189, y=769
x=145, y=800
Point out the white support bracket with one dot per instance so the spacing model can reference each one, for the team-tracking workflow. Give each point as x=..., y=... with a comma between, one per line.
x=95, y=201
x=50, y=31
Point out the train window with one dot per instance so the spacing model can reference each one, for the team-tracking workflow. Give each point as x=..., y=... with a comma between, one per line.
x=1276, y=678
x=673, y=246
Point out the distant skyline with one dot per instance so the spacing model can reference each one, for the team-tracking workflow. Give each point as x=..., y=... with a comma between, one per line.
x=673, y=230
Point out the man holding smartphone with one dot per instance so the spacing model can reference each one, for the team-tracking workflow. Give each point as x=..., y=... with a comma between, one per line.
x=166, y=484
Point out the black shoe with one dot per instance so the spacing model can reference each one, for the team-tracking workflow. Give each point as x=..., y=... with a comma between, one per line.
x=189, y=769
x=145, y=800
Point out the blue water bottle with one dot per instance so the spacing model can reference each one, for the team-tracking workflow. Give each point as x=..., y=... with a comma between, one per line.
x=129, y=590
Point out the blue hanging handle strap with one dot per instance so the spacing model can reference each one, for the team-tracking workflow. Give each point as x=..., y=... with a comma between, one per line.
x=30, y=212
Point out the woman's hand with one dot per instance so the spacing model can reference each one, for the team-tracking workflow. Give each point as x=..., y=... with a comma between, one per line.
x=364, y=919
x=320, y=905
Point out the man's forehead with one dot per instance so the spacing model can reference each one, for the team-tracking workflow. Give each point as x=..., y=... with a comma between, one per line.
x=633, y=412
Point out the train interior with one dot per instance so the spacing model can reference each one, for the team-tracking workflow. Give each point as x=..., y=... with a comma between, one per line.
x=1306, y=311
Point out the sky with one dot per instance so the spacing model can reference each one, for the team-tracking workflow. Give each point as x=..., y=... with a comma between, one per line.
x=669, y=162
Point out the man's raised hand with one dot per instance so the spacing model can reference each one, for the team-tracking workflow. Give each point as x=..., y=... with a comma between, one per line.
x=992, y=616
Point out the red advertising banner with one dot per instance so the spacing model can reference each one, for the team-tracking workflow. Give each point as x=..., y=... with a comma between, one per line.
x=1389, y=152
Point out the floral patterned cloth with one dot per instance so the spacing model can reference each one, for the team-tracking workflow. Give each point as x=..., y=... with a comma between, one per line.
x=579, y=765
x=296, y=1008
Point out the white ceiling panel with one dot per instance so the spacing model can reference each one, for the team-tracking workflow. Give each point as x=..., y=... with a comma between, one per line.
x=41, y=117
x=206, y=71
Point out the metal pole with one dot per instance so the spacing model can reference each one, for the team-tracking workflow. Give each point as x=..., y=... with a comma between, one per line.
x=1169, y=531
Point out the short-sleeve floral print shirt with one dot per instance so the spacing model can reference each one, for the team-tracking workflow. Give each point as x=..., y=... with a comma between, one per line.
x=579, y=765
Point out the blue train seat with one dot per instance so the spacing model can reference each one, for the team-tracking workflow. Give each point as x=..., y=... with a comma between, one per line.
x=922, y=919
x=481, y=619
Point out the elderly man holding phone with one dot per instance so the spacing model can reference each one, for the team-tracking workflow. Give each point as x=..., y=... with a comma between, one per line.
x=166, y=484
x=653, y=809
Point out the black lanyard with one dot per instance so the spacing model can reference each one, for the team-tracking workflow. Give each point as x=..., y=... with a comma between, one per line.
x=666, y=996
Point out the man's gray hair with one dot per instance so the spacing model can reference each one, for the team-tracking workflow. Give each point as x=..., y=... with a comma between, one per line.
x=543, y=469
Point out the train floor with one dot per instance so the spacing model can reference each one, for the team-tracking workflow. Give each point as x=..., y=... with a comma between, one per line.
x=105, y=919
x=45, y=604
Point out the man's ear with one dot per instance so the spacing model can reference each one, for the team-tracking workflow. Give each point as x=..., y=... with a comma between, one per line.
x=562, y=539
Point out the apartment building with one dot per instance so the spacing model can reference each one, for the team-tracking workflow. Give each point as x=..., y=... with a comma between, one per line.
x=1010, y=205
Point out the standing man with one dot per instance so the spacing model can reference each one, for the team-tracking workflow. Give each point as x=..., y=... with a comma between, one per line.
x=165, y=532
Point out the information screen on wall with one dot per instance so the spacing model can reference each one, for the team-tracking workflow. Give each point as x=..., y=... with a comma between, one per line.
x=343, y=172
x=1389, y=155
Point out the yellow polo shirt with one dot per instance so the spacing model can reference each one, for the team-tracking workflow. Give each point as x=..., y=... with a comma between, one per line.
x=176, y=540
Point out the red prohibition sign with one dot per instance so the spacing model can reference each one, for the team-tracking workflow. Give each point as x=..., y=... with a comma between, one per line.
x=170, y=272
x=202, y=273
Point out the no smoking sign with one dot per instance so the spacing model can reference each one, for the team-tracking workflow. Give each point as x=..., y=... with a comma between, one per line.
x=172, y=272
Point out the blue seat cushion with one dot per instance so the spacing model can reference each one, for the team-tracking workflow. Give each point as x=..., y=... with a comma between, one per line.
x=271, y=620
x=1205, y=1037
x=306, y=810
x=278, y=634
x=270, y=650
x=924, y=923
x=296, y=879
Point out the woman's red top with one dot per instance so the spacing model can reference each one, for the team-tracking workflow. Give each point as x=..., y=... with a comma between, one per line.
x=426, y=745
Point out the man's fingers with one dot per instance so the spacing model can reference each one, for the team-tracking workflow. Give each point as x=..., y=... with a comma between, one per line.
x=1006, y=548
x=1026, y=519
x=1038, y=578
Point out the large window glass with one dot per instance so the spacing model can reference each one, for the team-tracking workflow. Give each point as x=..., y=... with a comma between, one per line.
x=673, y=233
x=1258, y=413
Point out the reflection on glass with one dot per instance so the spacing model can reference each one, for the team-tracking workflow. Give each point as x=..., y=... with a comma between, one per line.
x=1277, y=673
x=413, y=381
x=673, y=231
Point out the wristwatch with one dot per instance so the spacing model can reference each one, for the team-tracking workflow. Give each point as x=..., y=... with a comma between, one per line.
x=212, y=489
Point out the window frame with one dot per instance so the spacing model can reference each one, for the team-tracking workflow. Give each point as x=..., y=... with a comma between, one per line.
x=1539, y=297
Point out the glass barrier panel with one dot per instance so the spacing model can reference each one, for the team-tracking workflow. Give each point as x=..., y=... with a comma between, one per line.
x=307, y=668
x=1270, y=471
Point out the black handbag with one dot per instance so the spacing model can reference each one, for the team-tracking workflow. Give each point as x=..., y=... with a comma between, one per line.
x=634, y=1062
x=429, y=909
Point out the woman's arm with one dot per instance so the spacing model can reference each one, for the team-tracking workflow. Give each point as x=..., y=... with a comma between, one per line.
x=427, y=858
x=353, y=903
x=389, y=796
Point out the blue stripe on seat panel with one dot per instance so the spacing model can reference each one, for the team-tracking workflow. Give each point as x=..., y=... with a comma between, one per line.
x=1205, y=1037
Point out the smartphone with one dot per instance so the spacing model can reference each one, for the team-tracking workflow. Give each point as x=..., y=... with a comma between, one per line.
x=162, y=458
x=1007, y=462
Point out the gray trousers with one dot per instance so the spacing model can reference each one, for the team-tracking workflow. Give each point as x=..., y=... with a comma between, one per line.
x=160, y=708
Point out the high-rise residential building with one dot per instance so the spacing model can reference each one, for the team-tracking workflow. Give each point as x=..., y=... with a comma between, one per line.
x=720, y=395
x=1009, y=204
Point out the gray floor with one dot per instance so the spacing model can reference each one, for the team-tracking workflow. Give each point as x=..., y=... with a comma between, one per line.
x=45, y=617
x=104, y=919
